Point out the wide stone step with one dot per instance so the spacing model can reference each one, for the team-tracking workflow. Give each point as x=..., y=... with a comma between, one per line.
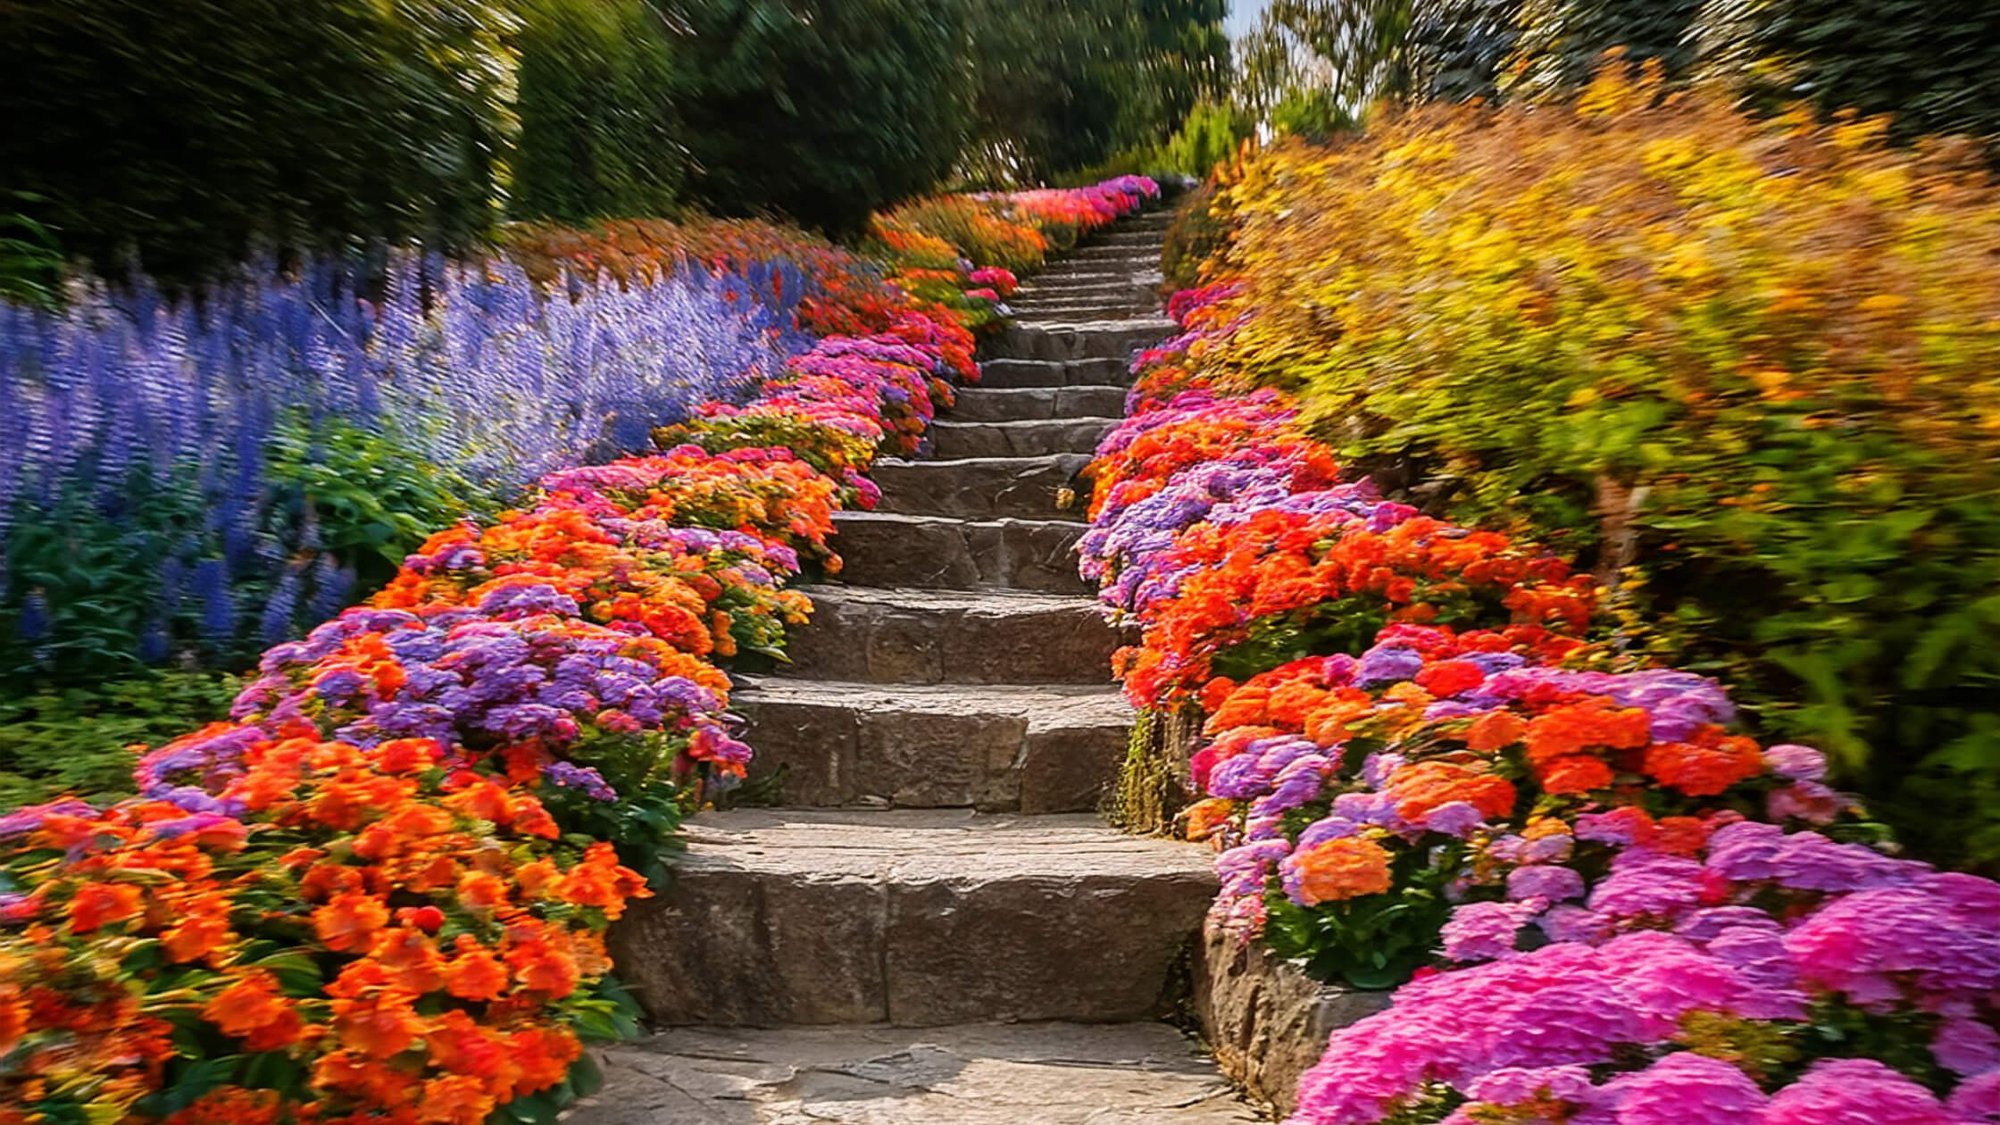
x=980, y=404
x=1136, y=256
x=913, y=918
x=1018, y=439
x=1081, y=339
x=981, y=1074
x=1013, y=374
x=982, y=488
x=951, y=637
x=1091, y=312
x=1043, y=749
x=943, y=553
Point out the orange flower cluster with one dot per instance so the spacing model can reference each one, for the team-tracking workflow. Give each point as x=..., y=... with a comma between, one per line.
x=383, y=937
x=1342, y=868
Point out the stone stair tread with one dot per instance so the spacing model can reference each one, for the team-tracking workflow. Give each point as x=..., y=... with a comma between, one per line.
x=906, y=846
x=906, y=518
x=978, y=602
x=975, y=1074
x=914, y=917
x=1043, y=706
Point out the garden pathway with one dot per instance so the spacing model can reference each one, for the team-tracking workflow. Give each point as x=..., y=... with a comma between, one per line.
x=934, y=926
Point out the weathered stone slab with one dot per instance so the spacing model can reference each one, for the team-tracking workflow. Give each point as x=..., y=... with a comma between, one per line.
x=982, y=405
x=985, y=1074
x=1043, y=749
x=1265, y=1019
x=944, y=636
x=943, y=553
x=1081, y=339
x=913, y=917
x=1010, y=374
x=982, y=488
x=1018, y=439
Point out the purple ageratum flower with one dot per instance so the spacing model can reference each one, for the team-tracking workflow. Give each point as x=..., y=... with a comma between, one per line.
x=1795, y=763
x=569, y=775
x=511, y=602
x=1886, y=946
x=1455, y=818
x=1648, y=885
x=1547, y=883
x=1967, y=1046
x=1977, y=1098
x=1854, y=1092
x=1252, y=773
x=1327, y=828
x=20, y=822
x=1486, y=931
x=1686, y=1089
x=1296, y=784
x=1385, y=664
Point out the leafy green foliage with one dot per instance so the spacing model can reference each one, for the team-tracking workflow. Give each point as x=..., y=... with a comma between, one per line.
x=1065, y=85
x=1934, y=67
x=76, y=738
x=1375, y=941
x=1763, y=402
x=30, y=258
x=599, y=134
x=191, y=131
x=823, y=111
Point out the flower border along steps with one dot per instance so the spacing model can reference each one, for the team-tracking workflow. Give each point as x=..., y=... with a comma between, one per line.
x=936, y=744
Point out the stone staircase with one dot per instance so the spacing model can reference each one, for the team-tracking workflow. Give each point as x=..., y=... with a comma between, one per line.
x=934, y=925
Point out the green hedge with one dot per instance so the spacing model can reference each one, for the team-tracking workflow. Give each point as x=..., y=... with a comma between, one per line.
x=599, y=133
x=189, y=131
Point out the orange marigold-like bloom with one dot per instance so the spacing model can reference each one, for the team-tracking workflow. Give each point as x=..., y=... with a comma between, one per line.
x=348, y=922
x=1495, y=730
x=1590, y=724
x=1706, y=765
x=1420, y=788
x=380, y=1025
x=103, y=904
x=1573, y=774
x=203, y=929
x=474, y=973
x=1204, y=817
x=252, y=1007
x=455, y=1099
x=1342, y=868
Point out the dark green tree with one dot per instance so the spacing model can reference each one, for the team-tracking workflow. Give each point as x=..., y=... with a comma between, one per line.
x=599, y=134
x=823, y=110
x=188, y=131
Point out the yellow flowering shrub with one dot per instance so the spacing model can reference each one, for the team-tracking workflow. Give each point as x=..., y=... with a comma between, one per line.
x=1752, y=366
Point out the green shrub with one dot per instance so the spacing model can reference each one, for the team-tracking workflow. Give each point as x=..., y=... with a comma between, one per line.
x=820, y=110
x=1935, y=67
x=1615, y=325
x=599, y=135
x=190, y=131
x=77, y=739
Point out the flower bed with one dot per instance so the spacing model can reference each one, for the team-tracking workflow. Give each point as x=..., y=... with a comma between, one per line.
x=379, y=892
x=1416, y=752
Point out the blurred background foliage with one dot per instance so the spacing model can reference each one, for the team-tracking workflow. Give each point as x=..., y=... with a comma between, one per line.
x=184, y=137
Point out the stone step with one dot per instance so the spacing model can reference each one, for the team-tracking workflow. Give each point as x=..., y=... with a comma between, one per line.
x=1033, y=750
x=1062, y=277
x=913, y=918
x=1136, y=257
x=1094, y=312
x=980, y=404
x=1013, y=374
x=983, y=488
x=982, y=1074
x=1081, y=339
x=1033, y=438
x=1113, y=290
x=951, y=637
x=942, y=553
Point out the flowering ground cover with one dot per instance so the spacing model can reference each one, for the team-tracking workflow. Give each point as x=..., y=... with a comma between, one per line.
x=1422, y=761
x=378, y=891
